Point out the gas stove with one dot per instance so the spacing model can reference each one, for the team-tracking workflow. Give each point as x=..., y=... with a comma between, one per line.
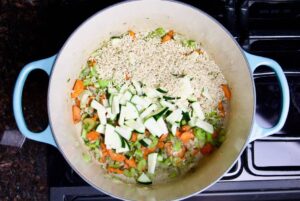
x=268, y=169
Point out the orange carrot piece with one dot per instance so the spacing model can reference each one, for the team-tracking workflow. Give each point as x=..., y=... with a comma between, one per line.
x=160, y=145
x=166, y=38
x=76, y=114
x=199, y=51
x=178, y=133
x=77, y=89
x=181, y=153
x=115, y=156
x=92, y=136
x=226, y=91
x=221, y=109
x=77, y=102
x=132, y=34
x=92, y=62
x=186, y=136
x=134, y=137
x=171, y=33
x=207, y=149
x=185, y=128
x=114, y=170
x=148, y=151
x=131, y=162
x=127, y=76
x=163, y=137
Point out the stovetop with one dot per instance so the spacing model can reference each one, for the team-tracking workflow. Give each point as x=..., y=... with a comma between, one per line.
x=269, y=169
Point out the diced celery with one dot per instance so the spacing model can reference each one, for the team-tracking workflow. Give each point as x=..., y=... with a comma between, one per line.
x=177, y=145
x=159, y=32
x=189, y=43
x=142, y=164
x=103, y=83
x=200, y=134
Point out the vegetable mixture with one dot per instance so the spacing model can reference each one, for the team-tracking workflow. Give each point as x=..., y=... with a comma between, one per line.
x=144, y=133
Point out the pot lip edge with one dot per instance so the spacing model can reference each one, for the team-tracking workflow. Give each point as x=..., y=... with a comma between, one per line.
x=169, y=1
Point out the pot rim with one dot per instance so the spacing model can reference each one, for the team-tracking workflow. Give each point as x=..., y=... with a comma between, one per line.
x=182, y=4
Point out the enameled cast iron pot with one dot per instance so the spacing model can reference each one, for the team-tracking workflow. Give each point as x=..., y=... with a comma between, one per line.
x=236, y=65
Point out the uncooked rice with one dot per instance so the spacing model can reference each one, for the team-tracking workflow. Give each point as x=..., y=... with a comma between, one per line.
x=156, y=64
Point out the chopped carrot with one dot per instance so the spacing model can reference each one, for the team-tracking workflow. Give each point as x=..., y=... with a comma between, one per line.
x=166, y=38
x=134, y=137
x=171, y=33
x=76, y=114
x=196, y=151
x=207, y=149
x=77, y=102
x=77, y=89
x=185, y=128
x=163, y=137
x=92, y=136
x=226, y=91
x=168, y=147
x=148, y=151
x=95, y=117
x=132, y=34
x=102, y=97
x=131, y=162
x=186, y=136
x=114, y=170
x=221, y=109
x=160, y=145
x=178, y=133
x=115, y=156
x=127, y=76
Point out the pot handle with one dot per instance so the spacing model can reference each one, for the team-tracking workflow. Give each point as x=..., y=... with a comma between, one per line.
x=258, y=131
x=43, y=136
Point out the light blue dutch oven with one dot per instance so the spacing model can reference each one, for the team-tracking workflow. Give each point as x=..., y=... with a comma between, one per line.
x=237, y=66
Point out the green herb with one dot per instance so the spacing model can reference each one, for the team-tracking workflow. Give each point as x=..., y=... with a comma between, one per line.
x=162, y=90
x=189, y=43
x=159, y=32
x=86, y=157
x=103, y=83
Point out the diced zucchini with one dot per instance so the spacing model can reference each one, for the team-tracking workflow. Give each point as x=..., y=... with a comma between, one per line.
x=112, y=139
x=192, y=99
x=144, y=179
x=145, y=142
x=125, y=98
x=138, y=87
x=174, y=128
x=162, y=90
x=115, y=41
x=112, y=90
x=143, y=102
x=124, y=131
x=100, y=129
x=162, y=125
x=131, y=111
x=197, y=110
x=124, y=148
x=158, y=114
x=175, y=116
x=132, y=89
x=100, y=110
x=148, y=110
x=205, y=126
x=115, y=108
x=122, y=115
x=167, y=104
x=152, y=93
x=153, y=127
x=152, y=158
x=193, y=121
x=136, y=125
